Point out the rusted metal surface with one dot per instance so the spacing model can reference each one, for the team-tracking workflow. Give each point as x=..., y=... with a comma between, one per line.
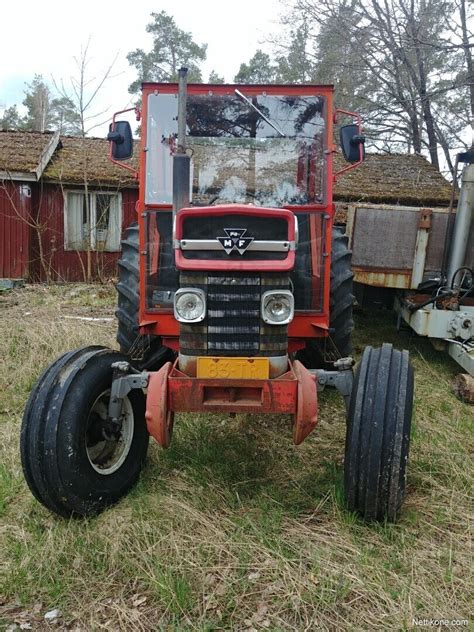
x=425, y=218
x=159, y=417
x=220, y=395
x=428, y=320
x=170, y=391
x=15, y=216
x=450, y=302
x=380, y=277
x=306, y=416
x=398, y=246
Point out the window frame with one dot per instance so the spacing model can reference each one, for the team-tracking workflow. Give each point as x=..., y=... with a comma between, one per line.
x=93, y=210
x=152, y=158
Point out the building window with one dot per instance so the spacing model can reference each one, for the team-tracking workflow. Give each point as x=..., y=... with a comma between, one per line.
x=92, y=221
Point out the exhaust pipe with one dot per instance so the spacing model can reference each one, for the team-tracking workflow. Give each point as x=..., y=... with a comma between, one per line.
x=181, y=161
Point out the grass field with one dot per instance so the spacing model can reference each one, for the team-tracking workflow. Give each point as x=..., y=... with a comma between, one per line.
x=233, y=526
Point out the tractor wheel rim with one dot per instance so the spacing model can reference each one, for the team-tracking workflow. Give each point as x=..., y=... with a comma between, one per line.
x=106, y=456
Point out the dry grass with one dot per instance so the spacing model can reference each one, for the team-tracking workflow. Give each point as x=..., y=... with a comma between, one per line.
x=233, y=527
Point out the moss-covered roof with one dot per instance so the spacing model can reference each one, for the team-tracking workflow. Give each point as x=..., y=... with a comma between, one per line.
x=22, y=151
x=383, y=178
x=392, y=178
x=81, y=158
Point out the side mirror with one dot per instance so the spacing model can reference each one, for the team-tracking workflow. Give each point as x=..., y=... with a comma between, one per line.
x=120, y=135
x=351, y=140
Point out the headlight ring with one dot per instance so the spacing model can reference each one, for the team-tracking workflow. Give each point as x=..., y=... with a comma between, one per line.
x=277, y=307
x=189, y=305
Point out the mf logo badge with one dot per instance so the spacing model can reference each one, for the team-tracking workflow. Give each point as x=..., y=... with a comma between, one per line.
x=235, y=240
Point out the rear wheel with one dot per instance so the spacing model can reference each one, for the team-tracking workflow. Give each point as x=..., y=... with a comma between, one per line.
x=378, y=433
x=145, y=352
x=323, y=352
x=72, y=464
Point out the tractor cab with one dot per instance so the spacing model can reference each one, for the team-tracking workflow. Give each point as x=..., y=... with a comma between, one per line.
x=235, y=226
x=235, y=220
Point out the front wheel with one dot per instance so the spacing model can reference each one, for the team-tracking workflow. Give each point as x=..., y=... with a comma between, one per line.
x=72, y=464
x=378, y=433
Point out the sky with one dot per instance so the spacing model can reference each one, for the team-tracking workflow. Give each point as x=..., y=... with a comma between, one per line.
x=44, y=37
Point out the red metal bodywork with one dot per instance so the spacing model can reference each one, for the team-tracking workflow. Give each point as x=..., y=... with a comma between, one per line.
x=170, y=391
x=294, y=392
x=305, y=325
x=284, y=265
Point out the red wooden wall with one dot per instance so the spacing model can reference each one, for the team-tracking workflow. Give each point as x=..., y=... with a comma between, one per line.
x=15, y=214
x=65, y=265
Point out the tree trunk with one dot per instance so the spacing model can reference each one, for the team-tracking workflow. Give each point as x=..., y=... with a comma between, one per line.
x=415, y=129
x=427, y=113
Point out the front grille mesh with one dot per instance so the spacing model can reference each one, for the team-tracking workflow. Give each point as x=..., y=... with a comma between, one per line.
x=233, y=325
x=233, y=321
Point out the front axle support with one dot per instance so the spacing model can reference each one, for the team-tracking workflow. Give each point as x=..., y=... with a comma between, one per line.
x=169, y=391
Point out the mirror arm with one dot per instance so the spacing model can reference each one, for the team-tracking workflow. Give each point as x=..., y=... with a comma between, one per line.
x=138, y=116
x=360, y=139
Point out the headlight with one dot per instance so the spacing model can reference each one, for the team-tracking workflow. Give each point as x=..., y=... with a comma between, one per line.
x=278, y=307
x=189, y=305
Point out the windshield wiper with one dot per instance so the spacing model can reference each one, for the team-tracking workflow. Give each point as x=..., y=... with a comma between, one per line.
x=266, y=119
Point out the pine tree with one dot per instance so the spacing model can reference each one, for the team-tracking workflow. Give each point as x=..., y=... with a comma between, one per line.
x=172, y=48
x=259, y=69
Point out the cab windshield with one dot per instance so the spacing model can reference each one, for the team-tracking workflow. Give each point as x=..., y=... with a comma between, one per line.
x=267, y=150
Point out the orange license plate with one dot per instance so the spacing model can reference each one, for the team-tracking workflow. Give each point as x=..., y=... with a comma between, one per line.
x=233, y=368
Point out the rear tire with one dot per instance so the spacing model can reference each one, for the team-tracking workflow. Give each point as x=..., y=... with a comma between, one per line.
x=70, y=467
x=378, y=433
x=341, y=293
x=145, y=352
x=323, y=352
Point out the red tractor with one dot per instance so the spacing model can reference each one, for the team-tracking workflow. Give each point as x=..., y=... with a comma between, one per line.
x=234, y=296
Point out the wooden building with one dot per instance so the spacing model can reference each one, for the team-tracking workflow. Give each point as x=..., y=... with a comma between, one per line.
x=63, y=207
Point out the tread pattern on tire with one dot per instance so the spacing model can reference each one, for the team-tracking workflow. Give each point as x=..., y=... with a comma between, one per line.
x=322, y=352
x=150, y=352
x=378, y=433
x=341, y=296
x=39, y=450
x=128, y=289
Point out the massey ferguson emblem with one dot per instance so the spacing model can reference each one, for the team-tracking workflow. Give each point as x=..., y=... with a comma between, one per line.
x=235, y=240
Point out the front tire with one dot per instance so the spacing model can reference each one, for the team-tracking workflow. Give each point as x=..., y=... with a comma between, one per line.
x=378, y=433
x=70, y=464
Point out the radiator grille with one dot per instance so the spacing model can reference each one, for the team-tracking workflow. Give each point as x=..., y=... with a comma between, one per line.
x=233, y=321
x=233, y=325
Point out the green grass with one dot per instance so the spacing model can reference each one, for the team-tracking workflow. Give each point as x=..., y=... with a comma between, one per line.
x=233, y=526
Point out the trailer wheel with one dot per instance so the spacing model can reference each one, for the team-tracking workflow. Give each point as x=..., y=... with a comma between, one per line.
x=71, y=464
x=323, y=352
x=378, y=433
x=145, y=352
